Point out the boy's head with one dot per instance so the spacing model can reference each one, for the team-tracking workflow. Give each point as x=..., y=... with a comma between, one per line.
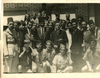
x=84, y=25
x=62, y=47
x=38, y=44
x=92, y=43
x=49, y=44
x=57, y=26
x=27, y=48
x=10, y=23
x=30, y=24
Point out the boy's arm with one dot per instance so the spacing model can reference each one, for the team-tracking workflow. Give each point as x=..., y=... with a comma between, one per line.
x=5, y=45
x=22, y=53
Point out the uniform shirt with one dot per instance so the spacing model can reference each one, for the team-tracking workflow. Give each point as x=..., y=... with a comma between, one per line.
x=62, y=62
x=39, y=57
x=49, y=54
x=9, y=43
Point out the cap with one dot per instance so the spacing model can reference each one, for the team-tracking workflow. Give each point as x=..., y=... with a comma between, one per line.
x=10, y=19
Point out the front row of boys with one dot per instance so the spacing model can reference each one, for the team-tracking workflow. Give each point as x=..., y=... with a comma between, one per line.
x=47, y=60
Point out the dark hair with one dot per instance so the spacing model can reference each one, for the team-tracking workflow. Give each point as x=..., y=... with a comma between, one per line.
x=49, y=42
x=81, y=17
x=22, y=23
x=61, y=42
x=69, y=23
x=18, y=23
x=28, y=17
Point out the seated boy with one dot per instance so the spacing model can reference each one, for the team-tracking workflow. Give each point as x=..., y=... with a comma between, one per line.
x=25, y=59
x=38, y=58
x=91, y=58
x=62, y=61
x=50, y=53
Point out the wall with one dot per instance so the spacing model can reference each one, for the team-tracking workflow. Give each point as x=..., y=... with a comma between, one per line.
x=82, y=9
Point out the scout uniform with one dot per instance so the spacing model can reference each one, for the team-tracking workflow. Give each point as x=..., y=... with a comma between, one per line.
x=9, y=49
x=62, y=63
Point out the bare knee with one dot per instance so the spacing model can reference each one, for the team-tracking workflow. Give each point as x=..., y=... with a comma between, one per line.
x=97, y=69
x=34, y=68
x=19, y=68
x=70, y=68
x=44, y=64
x=84, y=69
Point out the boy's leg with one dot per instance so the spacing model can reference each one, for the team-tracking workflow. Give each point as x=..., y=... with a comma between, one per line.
x=48, y=67
x=34, y=67
x=15, y=63
x=98, y=68
x=8, y=63
x=84, y=69
x=20, y=68
x=45, y=67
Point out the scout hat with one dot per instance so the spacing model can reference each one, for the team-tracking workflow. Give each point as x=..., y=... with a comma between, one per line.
x=10, y=19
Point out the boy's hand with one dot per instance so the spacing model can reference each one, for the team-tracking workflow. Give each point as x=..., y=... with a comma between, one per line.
x=55, y=46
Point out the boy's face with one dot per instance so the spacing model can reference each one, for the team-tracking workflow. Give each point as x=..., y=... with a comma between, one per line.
x=92, y=43
x=84, y=26
x=29, y=25
x=74, y=24
x=92, y=26
x=48, y=45
x=21, y=27
x=57, y=26
x=11, y=25
x=15, y=25
x=62, y=49
x=39, y=45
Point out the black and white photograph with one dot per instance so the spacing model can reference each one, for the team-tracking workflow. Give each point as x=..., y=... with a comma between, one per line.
x=51, y=38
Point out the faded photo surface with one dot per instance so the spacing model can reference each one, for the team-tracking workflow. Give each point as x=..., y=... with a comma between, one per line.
x=51, y=38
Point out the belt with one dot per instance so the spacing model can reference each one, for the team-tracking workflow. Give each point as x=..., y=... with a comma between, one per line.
x=11, y=42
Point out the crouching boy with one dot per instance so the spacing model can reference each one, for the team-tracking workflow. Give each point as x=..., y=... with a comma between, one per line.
x=92, y=59
x=25, y=61
x=62, y=61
